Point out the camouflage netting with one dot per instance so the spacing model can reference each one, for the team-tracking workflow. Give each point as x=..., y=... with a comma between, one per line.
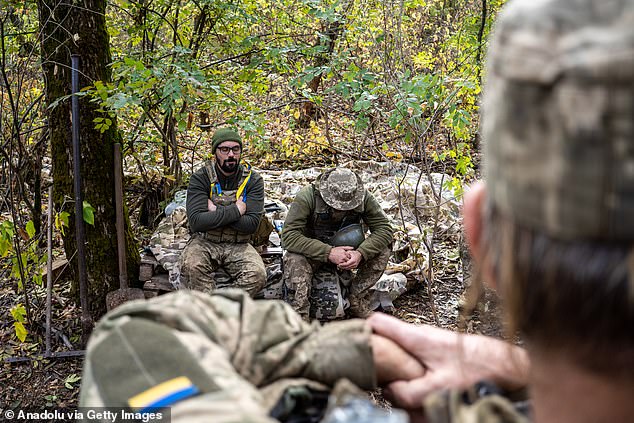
x=416, y=204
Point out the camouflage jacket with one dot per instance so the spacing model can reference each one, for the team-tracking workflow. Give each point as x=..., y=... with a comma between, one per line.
x=202, y=220
x=220, y=357
x=482, y=403
x=295, y=233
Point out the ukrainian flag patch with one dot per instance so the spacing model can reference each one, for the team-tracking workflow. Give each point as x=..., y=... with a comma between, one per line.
x=163, y=395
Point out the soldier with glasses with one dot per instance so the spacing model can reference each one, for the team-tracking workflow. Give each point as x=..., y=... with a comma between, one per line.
x=225, y=203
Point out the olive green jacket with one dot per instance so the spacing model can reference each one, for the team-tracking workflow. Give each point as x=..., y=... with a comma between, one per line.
x=294, y=237
x=202, y=220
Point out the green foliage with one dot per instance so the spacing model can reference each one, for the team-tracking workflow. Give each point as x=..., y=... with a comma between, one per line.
x=25, y=266
x=61, y=221
x=6, y=238
x=70, y=380
x=88, y=213
x=19, y=319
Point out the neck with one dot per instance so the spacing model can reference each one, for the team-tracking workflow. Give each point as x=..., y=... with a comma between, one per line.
x=563, y=392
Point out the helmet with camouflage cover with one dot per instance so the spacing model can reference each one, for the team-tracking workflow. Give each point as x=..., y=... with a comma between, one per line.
x=341, y=189
x=558, y=118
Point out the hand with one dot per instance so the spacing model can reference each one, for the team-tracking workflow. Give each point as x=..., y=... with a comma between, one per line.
x=452, y=360
x=339, y=255
x=242, y=206
x=392, y=363
x=354, y=258
x=211, y=206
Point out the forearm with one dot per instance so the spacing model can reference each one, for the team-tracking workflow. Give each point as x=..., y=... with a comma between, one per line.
x=381, y=231
x=256, y=334
x=293, y=234
x=248, y=223
x=202, y=220
x=313, y=249
x=199, y=217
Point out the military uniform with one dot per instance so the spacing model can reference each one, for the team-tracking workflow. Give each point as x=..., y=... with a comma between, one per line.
x=228, y=358
x=318, y=211
x=218, y=358
x=222, y=238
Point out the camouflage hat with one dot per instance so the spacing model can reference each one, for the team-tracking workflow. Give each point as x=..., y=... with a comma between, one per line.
x=341, y=188
x=558, y=117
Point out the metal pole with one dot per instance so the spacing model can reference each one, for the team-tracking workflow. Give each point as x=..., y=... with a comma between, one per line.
x=49, y=270
x=79, y=210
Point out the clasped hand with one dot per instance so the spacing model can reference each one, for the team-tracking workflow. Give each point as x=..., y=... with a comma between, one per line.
x=345, y=257
x=449, y=360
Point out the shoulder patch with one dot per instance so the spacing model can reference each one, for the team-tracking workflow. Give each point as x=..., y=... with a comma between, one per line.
x=141, y=363
x=164, y=394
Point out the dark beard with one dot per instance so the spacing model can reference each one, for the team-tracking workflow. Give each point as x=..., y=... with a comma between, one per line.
x=229, y=166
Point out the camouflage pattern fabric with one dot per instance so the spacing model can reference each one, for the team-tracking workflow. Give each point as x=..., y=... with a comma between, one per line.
x=274, y=288
x=299, y=280
x=560, y=84
x=481, y=403
x=387, y=289
x=201, y=259
x=366, y=276
x=240, y=355
x=168, y=241
x=341, y=188
x=320, y=291
x=329, y=293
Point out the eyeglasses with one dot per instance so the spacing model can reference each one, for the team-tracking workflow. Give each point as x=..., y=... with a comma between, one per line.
x=225, y=150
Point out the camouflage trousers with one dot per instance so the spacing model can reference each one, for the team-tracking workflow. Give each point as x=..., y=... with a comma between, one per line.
x=202, y=258
x=298, y=278
x=235, y=356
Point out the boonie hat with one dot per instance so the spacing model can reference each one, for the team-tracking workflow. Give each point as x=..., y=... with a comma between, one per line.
x=558, y=118
x=341, y=188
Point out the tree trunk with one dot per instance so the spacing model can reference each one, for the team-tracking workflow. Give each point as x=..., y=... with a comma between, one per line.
x=332, y=31
x=80, y=28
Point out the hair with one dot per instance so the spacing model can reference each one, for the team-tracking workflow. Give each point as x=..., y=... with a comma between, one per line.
x=574, y=297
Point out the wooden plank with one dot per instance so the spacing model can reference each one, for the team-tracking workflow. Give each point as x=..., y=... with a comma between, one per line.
x=159, y=283
x=148, y=259
x=146, y=271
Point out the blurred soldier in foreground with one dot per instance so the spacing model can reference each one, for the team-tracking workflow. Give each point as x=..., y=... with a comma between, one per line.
x=551, y=228
x=323, y=231
x=225, y=203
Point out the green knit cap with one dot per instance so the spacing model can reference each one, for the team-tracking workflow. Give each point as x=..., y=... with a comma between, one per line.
x=224, y=134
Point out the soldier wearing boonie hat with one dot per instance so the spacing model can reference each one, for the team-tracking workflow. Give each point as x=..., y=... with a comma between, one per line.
x=225, y=205
x=323, y=229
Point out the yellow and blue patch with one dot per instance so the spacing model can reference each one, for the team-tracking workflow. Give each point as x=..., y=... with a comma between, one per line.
x=163, y=395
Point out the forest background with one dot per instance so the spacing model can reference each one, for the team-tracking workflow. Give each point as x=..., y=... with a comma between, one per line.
x=308, y=82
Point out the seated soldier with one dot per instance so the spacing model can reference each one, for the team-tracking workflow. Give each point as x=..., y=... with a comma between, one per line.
x=322, y=232
x=225, y=203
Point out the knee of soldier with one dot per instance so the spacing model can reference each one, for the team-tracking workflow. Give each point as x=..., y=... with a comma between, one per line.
x=191, y=265
x=296, y=261
x=260, y=275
